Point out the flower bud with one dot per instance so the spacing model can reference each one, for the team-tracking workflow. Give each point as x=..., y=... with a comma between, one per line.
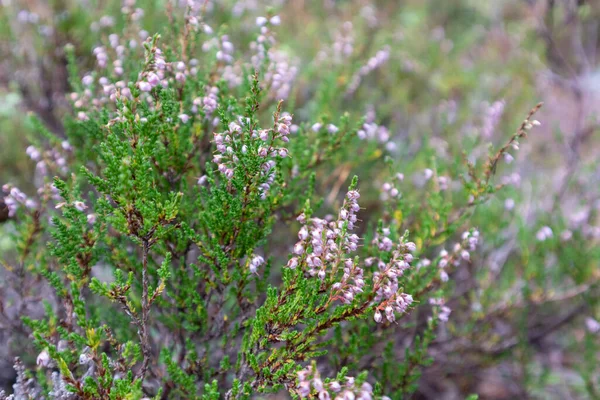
x=292, y=263
x=80, y=205
x=43, y=359
x=145, y=86
x=378, y=317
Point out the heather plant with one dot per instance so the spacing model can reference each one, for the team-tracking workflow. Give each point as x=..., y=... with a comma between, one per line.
x=190, y=236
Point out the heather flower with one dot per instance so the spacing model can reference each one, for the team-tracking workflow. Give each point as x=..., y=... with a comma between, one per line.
x=373, y=63
x=256, y=262
x=292, y=263
x=377, y=317
x=332, y=129
x=153, y=80
x=43, y=359
x=444, y=314
x=309, y=381
x=30, y=204
x=389, y=191
x=80, y=206
x=260, y=21
x=592, y=325
x=544, y=233
x=566, y=235
x=299, y=248
x=87, y=80
x=410, y=246
x=33, y=153
x=492, y=118
x=509, y=204
x=145, y=86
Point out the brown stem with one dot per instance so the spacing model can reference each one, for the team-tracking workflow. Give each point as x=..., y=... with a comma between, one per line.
x=145, y=308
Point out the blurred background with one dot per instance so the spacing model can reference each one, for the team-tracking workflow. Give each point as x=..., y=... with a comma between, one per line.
x=450, y=70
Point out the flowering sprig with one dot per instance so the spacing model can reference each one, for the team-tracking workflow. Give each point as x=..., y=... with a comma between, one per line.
x=513, y=143
x=324, y=248
x=388, y=297
x=460, y=252
x=375, y=62
x=244, y=141
x=310, y=384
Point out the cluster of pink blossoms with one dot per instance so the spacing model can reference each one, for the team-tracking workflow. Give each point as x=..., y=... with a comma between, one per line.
x=14, y=198
x=110, y=84
x=342, y=48
x=280, y=75
x=159, y=72
x=373, y=131
x=310, y=382
x=254, y=263
x=388, y=190
x=209, y=102
x=375, y=62
x=281, y=71
x=491, y=118
x=224, y=47
x=323, y=250
x=163, y=71
x=230, y=144
x=343, y=42
x=444, y=311
x=389, y=298
x=323, y=247
x=227, y=159
x=264, y=41
x=50, y=158
x=460, y=252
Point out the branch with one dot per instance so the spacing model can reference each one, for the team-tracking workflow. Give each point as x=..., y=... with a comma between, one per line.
x=143, y=327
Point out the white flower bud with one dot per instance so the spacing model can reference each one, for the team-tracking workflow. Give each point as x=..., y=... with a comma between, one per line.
x=43, y=359
x=80, y=205
x=145, y=86
x=292, y=263
x=378, y=317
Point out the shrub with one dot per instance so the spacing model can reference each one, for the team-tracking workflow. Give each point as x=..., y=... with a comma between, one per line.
x=191, y=223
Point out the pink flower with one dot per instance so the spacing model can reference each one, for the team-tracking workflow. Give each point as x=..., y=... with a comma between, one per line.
x=80, y=205
x=153, y=79
x=292, y=263
x=378, y=317
x=144, y=86
x=43, y=359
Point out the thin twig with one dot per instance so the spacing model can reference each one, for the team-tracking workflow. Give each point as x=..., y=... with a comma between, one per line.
x=145, y=308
